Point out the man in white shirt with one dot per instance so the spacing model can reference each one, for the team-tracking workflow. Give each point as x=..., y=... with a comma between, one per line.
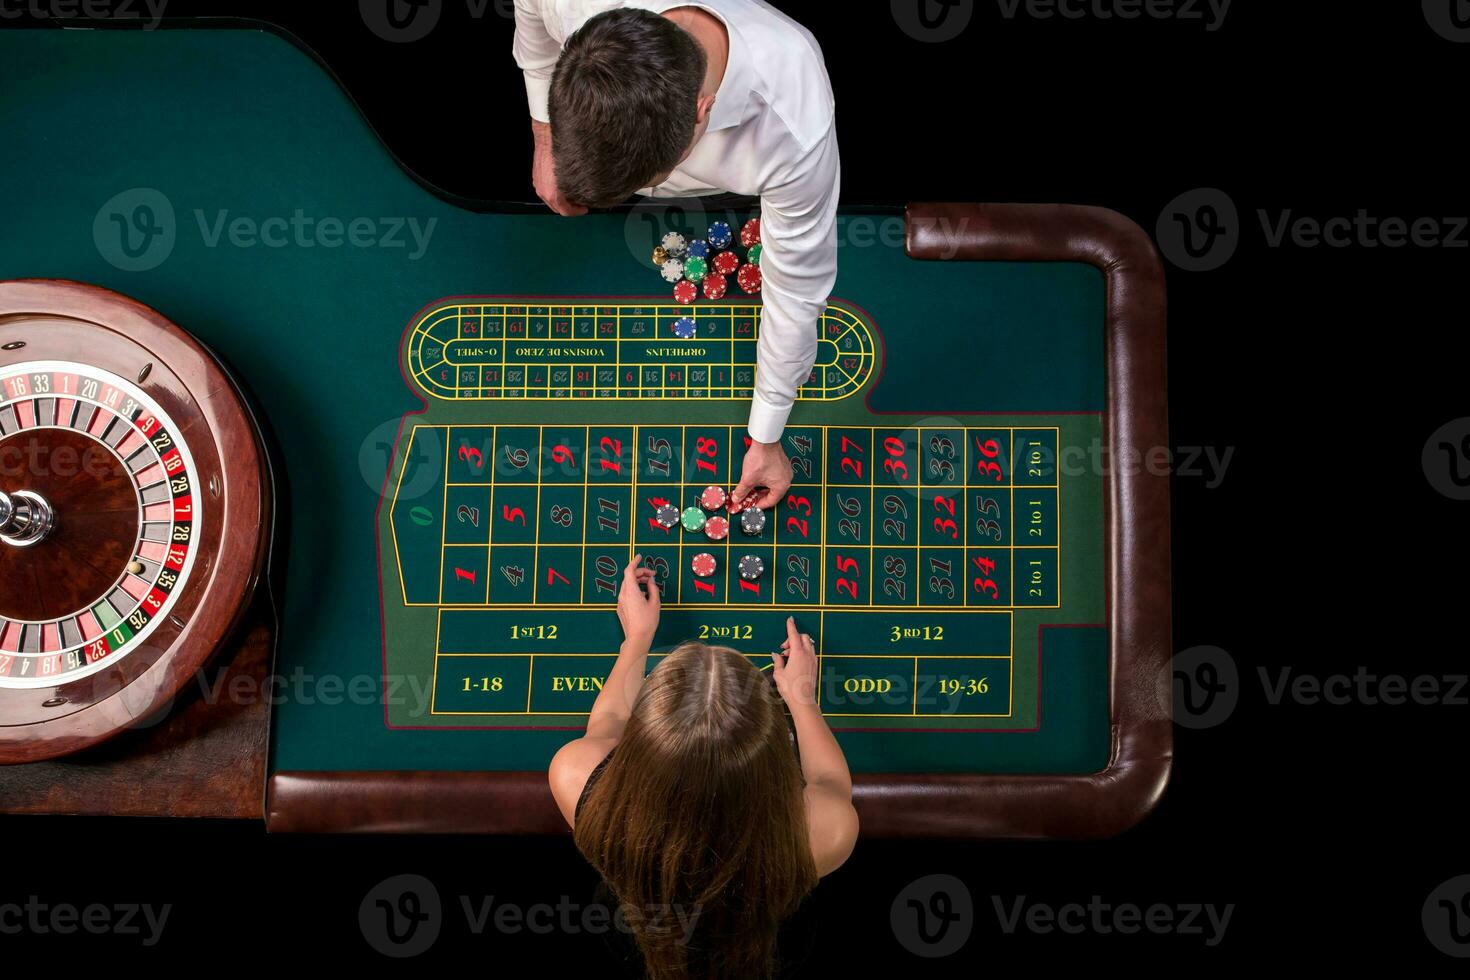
x=675, y=98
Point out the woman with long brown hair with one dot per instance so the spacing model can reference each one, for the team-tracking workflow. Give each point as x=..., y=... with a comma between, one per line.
x=709, y=799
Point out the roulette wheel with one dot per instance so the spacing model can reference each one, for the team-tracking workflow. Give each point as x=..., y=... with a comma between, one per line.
x=134, y=514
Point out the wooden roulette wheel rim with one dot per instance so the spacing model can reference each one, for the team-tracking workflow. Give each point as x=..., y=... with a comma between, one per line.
x=153, y=480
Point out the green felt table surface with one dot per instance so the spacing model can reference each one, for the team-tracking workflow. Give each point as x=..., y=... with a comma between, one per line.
x=224, y=178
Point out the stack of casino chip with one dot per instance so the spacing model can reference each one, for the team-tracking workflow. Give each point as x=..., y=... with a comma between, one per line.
x=751, y=567
x=750, y=233
x=704, y=564
x=713, y=498
x=752, y=521
x=749, y=278
x=717, y=528
x=668, y=516
x=705, y=264
x=693, y=519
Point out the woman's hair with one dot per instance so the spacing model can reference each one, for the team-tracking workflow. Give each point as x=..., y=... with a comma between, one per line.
x=700, y=813
x=623, y=103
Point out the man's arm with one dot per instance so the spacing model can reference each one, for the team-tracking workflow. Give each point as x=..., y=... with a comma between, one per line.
x=798, y=271
x=536, y=52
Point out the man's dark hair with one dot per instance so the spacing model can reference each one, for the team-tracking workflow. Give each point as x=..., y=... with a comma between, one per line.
x=623, y=104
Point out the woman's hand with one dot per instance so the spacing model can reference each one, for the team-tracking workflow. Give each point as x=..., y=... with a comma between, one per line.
x=638, y=609
x=795, y=668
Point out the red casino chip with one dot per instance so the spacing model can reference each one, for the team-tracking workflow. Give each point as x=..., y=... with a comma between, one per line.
x=725, y=263
x=750, y=234
x=717, y=529
x=715, y=287
x=713, y=498
x=686, y=292
x=704, y=564
x=750, y=278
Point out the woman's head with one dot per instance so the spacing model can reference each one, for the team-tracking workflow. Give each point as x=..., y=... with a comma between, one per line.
x=701, y=808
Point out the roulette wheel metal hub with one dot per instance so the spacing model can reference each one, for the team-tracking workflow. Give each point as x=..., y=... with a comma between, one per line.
x=25, y=518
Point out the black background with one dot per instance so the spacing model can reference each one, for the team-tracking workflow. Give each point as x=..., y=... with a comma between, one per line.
x=1323, y=549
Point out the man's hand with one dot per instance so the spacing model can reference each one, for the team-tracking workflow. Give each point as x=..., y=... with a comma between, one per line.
x=638, y=608
x=543, y=173
x=766, y=466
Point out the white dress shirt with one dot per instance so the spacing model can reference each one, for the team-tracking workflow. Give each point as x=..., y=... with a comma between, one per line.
x=772, y=134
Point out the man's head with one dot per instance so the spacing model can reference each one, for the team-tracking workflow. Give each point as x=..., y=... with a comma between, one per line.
x=626, y=105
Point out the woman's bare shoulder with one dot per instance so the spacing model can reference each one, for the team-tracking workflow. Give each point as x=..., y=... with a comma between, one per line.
x=832, y=823
x=571, y=766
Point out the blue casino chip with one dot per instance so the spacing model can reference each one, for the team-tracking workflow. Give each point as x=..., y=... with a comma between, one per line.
x=699, y=248
x=720, y=234
x=684, y=328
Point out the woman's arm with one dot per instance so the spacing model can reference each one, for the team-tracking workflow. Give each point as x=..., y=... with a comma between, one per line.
x=638, y=610
x=573, y=763
x=832, y=822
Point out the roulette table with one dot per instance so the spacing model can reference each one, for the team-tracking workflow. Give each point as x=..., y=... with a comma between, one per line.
x=419, y=438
